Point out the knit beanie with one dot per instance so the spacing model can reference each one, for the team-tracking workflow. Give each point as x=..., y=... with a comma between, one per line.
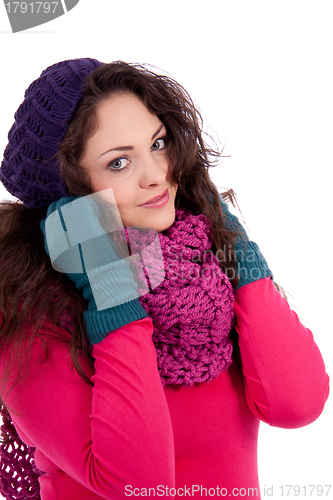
x=29, y=169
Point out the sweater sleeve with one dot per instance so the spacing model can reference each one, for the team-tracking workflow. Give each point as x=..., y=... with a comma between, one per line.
x=285, y=381
x=105, y=437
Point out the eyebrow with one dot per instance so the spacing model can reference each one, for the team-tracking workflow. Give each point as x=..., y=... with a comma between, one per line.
x=128, y=148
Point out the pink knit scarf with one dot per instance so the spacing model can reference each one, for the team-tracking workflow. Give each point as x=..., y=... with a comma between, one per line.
x=192, y=310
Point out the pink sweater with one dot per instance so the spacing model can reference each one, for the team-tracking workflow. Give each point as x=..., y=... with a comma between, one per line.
x=127, y=434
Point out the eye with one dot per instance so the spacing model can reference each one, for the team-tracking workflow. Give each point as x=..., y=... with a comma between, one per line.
x=118, y=164
x=159, y=144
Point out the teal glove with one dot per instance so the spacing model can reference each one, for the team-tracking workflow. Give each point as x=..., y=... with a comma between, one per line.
x=251, y=265
x=79, y=247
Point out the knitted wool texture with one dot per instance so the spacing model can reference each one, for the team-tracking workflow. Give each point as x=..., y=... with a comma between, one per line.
x=18, y=472
x=29, y=169
x=192, y=310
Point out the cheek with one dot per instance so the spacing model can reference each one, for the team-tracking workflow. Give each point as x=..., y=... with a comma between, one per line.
x=123, y=193
x=171, y=158
x=174, y=190
x=124, y=203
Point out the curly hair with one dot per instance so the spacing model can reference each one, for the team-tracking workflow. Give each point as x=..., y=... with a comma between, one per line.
x=31, y=291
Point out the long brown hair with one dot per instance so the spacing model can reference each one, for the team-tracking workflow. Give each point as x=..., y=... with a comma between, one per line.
x=30, y=290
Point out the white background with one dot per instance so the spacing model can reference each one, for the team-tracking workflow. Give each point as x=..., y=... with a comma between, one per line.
x=261, y=73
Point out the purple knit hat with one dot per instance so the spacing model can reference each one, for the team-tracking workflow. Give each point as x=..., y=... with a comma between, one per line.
x=29, y=169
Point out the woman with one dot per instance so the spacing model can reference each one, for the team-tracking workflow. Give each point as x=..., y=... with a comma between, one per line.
x=154, y=394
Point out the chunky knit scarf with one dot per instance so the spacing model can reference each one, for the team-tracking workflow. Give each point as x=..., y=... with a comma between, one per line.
x=192, y=313
x=192, y=309
x=18, y=472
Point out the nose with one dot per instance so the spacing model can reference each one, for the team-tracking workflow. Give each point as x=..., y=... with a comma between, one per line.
x=153, y=171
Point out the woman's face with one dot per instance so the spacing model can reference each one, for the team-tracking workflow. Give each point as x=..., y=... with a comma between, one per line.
x=129, y=154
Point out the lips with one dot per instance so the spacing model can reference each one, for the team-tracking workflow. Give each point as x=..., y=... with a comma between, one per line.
x=157, y=201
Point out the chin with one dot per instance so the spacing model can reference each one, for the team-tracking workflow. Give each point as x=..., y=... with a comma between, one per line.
x=160, y=221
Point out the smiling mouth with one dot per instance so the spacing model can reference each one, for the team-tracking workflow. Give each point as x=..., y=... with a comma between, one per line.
x=158, y=201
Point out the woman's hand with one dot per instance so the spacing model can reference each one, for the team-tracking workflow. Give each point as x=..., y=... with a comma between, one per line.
x=251, y=264
x=78, y=245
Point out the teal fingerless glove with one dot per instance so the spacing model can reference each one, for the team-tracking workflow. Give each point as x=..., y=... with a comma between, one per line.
x=78, y=246
x=251, y=265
